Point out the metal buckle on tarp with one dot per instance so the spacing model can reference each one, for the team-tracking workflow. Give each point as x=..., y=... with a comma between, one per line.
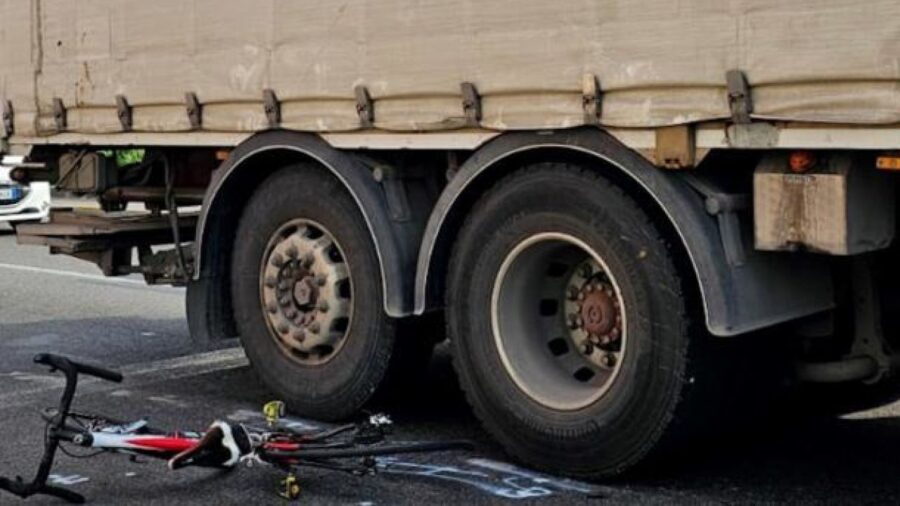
x=739, y=99
x=364, y=107
x=8, y=116
x=471, y=104
x=591, y=99
x=272, y=108
x=59, y=114
x=194, y=110
x=123, y=110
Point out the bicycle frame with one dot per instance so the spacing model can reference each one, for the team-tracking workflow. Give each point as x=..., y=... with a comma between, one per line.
x=161, y=446
x=157, y=446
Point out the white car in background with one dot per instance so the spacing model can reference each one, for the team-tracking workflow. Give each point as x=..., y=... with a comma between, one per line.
x=21, y=202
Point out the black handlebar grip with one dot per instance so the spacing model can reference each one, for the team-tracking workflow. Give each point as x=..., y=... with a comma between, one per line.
x=64, y=364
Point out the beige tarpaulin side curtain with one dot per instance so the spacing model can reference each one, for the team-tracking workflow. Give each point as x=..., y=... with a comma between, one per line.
x=658, y=62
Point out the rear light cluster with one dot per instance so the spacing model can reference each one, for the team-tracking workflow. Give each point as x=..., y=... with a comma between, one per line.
x=802, y=162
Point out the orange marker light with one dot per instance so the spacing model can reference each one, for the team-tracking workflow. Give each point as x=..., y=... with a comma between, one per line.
x=222, y=154
x=888, y=162
x=802, y=161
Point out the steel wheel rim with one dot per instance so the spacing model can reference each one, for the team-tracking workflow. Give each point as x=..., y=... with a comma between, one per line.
x=542, y=328
x=306, y=292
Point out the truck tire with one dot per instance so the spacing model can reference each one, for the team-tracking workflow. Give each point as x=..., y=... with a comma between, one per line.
x=567, y=322
x=307, y=294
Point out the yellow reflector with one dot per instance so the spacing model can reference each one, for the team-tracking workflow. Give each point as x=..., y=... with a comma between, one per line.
x=888, y=162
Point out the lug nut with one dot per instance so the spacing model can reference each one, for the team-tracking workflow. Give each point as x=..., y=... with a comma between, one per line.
x=271, y=282
x=589, y=288
x=290, y=314
x=272, y=307
x=573, y=292
x=320, y=280
x=283, y=328
x=323, y=306
x=277, y=260
x=284, y=301
x=292, y=251
x=581, y=296
x=300, y=336
x=314, y=327
x=608, y=360
x=308, y=260
x=587, y=348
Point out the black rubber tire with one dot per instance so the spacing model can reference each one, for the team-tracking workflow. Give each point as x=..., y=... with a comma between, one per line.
x=622, y=428
x=341, y=386
x=415, y=342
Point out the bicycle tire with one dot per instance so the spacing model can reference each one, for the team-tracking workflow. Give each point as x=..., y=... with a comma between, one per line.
x=375, y=451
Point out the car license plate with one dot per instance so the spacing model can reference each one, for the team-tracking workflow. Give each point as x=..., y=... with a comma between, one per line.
x=10, y=193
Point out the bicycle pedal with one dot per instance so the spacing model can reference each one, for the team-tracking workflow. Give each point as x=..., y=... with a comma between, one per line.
x=290, y=488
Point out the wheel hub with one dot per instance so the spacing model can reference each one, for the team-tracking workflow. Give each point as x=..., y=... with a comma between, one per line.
x=597, y=311
x=305, y=289
x=305, y=294
x=595, y=315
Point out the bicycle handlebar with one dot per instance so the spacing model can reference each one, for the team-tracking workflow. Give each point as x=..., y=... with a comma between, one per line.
x=55, y=426
x=66, y=365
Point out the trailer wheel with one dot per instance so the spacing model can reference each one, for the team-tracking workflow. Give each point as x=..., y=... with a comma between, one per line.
x=307, y=294
x=567, y=322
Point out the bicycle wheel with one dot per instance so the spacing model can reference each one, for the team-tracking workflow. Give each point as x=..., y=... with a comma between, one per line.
x=370, y=451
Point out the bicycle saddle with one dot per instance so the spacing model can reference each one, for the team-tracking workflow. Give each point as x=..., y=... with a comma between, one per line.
x=221, y=446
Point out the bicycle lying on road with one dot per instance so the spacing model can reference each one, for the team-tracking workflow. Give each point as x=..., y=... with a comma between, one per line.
x=222, y=445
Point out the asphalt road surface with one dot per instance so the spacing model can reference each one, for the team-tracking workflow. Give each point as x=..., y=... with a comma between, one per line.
x=62, y=305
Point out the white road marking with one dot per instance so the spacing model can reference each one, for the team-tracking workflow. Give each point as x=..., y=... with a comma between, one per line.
x=167, y=399
x=70, y=274
x=888, y=411
x=72, y=479
x=141, y=374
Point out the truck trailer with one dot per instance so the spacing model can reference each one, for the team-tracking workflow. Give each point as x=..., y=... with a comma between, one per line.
x=595, y=197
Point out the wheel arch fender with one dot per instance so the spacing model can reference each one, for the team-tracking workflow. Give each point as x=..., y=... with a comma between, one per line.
x=759, y=291
x=232, y=184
